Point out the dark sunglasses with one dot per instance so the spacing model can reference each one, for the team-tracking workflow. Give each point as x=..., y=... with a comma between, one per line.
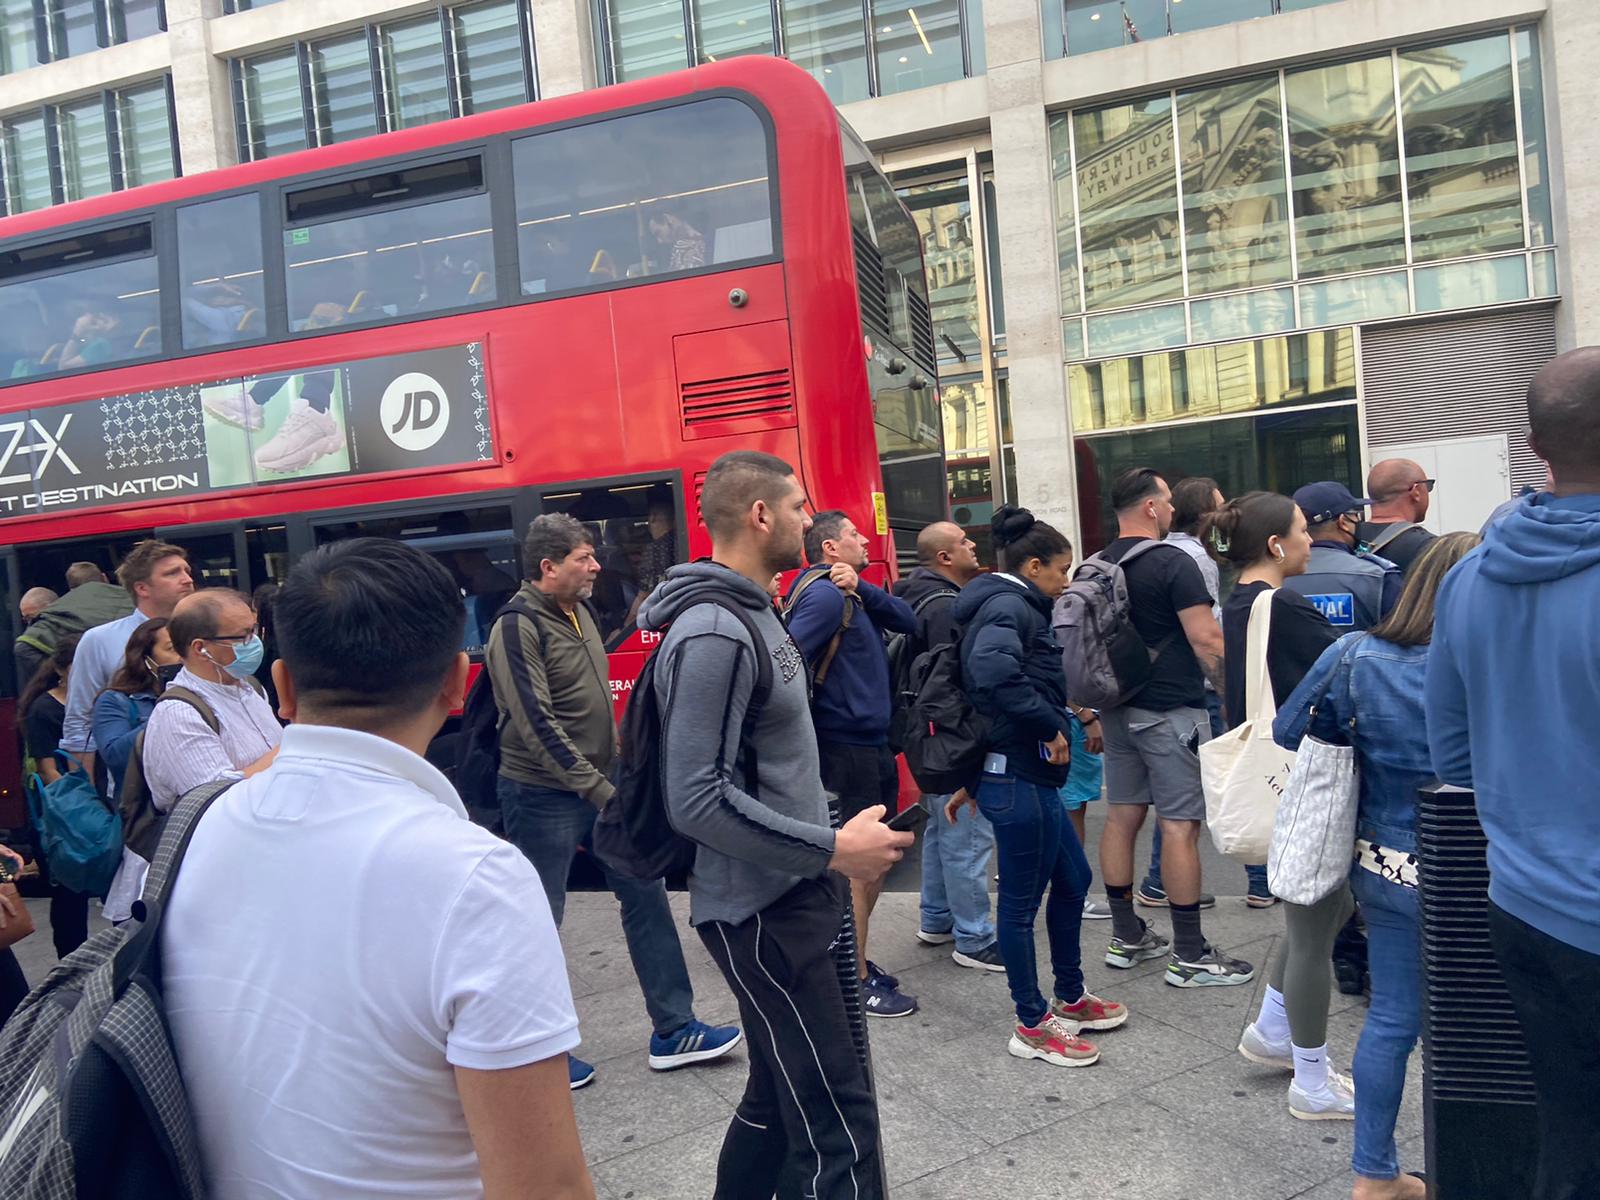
x=1426, y=483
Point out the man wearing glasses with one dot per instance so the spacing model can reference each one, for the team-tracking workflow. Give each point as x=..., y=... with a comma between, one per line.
x=1400, y=492
x=212, y=721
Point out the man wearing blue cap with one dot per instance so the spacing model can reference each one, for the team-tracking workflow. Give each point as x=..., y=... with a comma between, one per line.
x=1354, y=590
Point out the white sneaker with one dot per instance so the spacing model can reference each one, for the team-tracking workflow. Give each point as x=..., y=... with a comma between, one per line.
x=1265, y=1052
x=1334, y=1102
x=1096, y=910
x=305, y=436
x=233, y=405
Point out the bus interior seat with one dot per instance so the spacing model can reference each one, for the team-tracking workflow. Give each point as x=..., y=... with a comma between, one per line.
x=603, y=266
x=50, y=355
x=249, y=322
x=751, y=239
x=480, y=281
x=144, y=338
x=357, y=303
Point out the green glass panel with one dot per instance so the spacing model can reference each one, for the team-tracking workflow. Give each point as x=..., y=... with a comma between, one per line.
x=1065, y=211
x=725, y=28
x=829, y=39
x=1535, y=160
x=341, y=90
x=489, y=59
x=274, y=115
x=943, y=212
x=1244, y=314
x=1470, y=284
x=1138, y=329
x=85, y=148
x=414, y=74
x=1364, y=298
x=647, y=38
x=27, y=152
x=918, y=43
x=1128, y=203
x=145, y=116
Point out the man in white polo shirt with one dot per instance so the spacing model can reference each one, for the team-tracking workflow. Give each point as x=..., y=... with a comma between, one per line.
x=366, y=991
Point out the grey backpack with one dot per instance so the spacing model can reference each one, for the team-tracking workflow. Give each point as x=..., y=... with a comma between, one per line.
x=1105, y=658
x=91, y=1103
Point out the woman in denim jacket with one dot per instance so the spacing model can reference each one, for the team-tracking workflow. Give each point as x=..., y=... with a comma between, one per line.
x=1366, y=691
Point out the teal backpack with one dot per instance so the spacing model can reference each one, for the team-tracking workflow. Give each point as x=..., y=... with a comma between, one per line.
x=80, y=835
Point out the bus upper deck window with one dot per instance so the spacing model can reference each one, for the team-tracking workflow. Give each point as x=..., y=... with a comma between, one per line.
x=661, y=192
x=87, y=300
x=219, y=263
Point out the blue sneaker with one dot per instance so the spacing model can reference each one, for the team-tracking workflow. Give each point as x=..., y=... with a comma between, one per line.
x=874, y=971
x=880, y=998
x=696, y=1042
x=579, y=1073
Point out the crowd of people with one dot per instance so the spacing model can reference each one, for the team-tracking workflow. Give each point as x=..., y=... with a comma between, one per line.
x=340, y=928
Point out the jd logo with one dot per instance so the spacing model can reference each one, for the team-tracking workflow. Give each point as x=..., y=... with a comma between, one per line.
x=415, y=411
x=48, y=446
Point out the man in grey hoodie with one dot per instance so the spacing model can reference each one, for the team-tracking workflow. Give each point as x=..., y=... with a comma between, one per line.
x=766, y=893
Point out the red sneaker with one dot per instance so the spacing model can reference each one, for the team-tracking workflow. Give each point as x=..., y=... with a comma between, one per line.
x=1053, y=1042
x=1090, y=1012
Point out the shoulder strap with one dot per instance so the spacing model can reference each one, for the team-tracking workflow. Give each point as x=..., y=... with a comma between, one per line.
x=1258, y=698
x=1144, y=547
x=760, y=689
x=195, y=701
x=132, y=955
x=1389, y=535
x=807, y=577
x=507, y=619
x=941, y=594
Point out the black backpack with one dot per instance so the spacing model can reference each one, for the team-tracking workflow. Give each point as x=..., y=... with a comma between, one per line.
x=477, y=763
x=946, y=738
x=903, y=651
x=634, y=835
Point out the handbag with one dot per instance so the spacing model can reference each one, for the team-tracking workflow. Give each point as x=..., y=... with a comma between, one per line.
x=1314, y=836
x=1244, y=772
x=20, y=924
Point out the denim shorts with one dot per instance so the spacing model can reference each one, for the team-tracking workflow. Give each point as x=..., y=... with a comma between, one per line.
x=1151, y=759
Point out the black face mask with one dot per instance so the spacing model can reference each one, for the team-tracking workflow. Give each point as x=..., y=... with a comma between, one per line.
x=167, y=672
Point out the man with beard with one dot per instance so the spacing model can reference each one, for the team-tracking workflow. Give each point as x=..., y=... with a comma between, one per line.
x=558, y=737
x=765, y=893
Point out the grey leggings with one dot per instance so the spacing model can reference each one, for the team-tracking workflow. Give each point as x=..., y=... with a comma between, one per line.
x=1304, y=967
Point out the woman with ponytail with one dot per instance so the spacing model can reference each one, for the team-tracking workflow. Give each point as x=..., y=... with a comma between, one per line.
x=1011, y=671
x=1264, y=535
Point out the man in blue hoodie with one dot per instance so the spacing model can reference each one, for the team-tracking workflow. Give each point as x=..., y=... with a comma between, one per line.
x=838, y=620
x=1512, y=716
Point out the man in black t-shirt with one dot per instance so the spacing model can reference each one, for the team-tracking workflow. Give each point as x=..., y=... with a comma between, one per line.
x=1152, y=742
x=1400, y=491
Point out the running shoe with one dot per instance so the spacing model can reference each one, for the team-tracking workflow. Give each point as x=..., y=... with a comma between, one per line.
x=696, y=1042
x=929, y=938
x=579, y=1073
x=1151, y=896
x=987, y=959
x=1051, y=1041
x=305, y=436
x=1334, y=1101
x=874, y=971
x=1096, y=910
x=1128, y=954
x=1090, y=1012
x=1263, y=1051
x=1260, y=899
x=1211, y=969
x=231, y=403
x=881, y=1000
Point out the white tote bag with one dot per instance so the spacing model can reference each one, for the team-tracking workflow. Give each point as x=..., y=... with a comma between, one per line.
x=1314, y=837
x=1244, y=772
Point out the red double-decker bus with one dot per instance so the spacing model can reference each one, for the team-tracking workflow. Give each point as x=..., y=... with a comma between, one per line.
x=438, y=333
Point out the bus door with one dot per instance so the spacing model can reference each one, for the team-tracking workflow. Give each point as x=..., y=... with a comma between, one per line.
x=13, y=805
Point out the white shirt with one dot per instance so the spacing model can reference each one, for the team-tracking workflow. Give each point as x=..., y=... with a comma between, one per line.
x=339, y=938
x=1208, y=566
x=98, y=657
x=180, y=753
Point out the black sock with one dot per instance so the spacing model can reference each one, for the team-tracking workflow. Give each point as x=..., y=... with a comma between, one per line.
x=1187, y=940
x=1124, y=924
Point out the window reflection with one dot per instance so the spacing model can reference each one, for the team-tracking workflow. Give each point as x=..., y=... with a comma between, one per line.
x=647, y=38
x=1275, y=451
x=918, y=43
x=964, y=408
x=827, y=38
x=944, y=217
x=1128, y=203
x=274, y=122
x=341, y=90
x=724, y=28
x=1460, y=122
x=1235, y=201
x=1210, y=381
x=1535, y=167
x=219, y=266
x=414, y=78
x=1065, y=210
x=1346, y=166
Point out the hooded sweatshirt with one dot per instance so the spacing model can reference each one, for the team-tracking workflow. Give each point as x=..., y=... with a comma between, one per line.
x=1513, y=689
x=1011, y=671
x=757, y=838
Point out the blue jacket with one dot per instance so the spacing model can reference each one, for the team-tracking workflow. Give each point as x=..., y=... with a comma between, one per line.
x=1512, y=695
x=1367, y=693
x=116, y=720
x=1354, y=591
x=1011, y=671
x=852, y=705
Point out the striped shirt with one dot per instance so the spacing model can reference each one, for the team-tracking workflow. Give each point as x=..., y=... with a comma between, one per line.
x=180, y=753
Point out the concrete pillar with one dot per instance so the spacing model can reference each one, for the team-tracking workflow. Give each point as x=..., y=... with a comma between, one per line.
x=563, y=45
x=200, y=91
x=1046, y=479
x=1570, y=47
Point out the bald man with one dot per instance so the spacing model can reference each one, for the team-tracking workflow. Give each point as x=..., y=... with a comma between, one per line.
x=34, y=601
x=955, y=858
x=1400, y=491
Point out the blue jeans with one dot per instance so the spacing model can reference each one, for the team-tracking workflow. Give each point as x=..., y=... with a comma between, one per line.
x=955, y=876
x=1256, y=875
x=1036, y=847
x=548, y=826
x=1394, y=1022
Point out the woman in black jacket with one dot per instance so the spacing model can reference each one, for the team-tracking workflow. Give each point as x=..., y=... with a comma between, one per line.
x=1011, y=671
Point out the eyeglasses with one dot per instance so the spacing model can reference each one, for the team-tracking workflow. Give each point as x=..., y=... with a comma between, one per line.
x=1425, y=483
x=236, y=639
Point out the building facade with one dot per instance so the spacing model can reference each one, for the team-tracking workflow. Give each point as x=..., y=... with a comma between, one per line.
x=1268, y=241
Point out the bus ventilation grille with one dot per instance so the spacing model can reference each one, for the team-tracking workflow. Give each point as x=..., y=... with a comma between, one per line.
x=870, y=283
x=921, y=328
x=1472, y=1043
x=762, y=400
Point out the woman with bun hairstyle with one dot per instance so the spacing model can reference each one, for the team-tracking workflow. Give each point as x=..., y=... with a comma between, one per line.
x=1264, y=535
x=1011, y=671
